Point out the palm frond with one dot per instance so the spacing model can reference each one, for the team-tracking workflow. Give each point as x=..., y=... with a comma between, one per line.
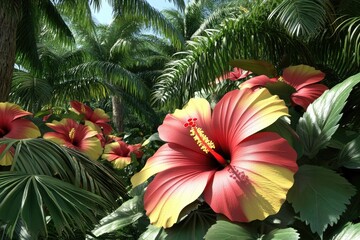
x=85, y=88
x=302, y=18
x=51, y=18
x=141, y=108
x=207, y=57
x=31, y=198
x=113, y=73
x=29, y=91
x=43, y=157
x=26, y=38
x=217, y=16
x=350, y=27
x=151, y=17
x=179, y=4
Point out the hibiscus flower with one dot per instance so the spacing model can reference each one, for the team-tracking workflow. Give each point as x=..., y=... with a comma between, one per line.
x=73, y=135
x=119, y=153
x=96, y=118
x=297, y=85
x=12, y=125
x=222, y=157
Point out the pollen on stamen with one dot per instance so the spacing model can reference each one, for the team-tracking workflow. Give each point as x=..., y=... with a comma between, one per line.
x=239, y=176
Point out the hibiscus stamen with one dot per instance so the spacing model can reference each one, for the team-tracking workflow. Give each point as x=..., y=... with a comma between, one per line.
x=238, y=176
x=72, y=134
x=203, y=141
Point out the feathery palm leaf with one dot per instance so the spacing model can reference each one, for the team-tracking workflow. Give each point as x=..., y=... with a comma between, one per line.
x=207, y=57
x=303, y=18
x=151, y=17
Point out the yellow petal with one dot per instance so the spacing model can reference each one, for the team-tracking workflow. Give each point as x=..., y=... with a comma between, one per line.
x=267, y=191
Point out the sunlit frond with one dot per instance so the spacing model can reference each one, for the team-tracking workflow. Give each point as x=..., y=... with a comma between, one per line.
x=207, y=57
x=302, y=18
x=151, y=17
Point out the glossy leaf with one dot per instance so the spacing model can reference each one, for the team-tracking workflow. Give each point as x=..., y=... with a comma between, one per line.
x=320, y=121
x=320, y=196
x=128, y=213
x=350, y=154
x=153, y=233
x=31, y=198
x=349, y=231
x=228, y=230
x=282, y=234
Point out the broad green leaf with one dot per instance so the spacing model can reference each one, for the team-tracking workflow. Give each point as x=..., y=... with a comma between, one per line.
x=128, y=213
x=193, y=226
x=350, y=231
x=350, y=154
x=24, y=197
x=320, y=196
x=258, y=67
x=282, y=234
x=342, y=137
x=225, y=230
x=320, y=121
x=153, y=233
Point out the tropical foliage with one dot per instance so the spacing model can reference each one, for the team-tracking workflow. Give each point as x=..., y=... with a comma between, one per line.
x=230, y=119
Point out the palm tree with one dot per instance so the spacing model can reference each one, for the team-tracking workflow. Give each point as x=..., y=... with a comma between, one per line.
x=119, y=56
x=318, y=33
x=21, y=22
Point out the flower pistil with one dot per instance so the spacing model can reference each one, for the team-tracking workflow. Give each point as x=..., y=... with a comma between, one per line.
x=203, y=141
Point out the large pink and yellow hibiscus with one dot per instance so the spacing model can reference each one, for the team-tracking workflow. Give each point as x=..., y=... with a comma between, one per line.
x=96, y=118
x=222, y=157
x=298, y=84
x=13, y=125
x=73, y=135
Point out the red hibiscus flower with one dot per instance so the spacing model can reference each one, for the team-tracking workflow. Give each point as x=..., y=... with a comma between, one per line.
x=298, y=84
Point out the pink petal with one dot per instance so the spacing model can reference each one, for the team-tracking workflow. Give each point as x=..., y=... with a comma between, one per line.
x=236, y=188
x=11, y=111
x=236, y=74
x=241, y=113
x=264, y=147
x=81, y=108
x=302, y=75
x=170, y=156
x=171, y=191
x=23, y=128
x=173, y=131
x=308, y=94
x=258, y=81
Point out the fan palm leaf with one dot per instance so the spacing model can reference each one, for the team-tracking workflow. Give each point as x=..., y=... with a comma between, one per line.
x=30, y=198
x=43, y=157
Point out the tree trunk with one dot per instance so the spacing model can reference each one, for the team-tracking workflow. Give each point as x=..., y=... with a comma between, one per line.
x=118, y=113
x=9, y=19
